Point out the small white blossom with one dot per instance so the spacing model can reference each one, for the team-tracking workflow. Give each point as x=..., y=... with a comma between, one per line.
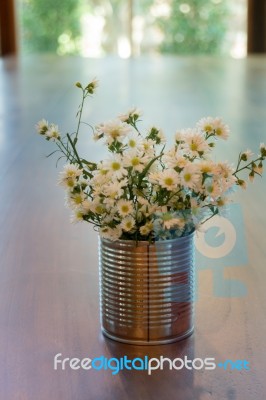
x=114, y=130
x=133, y=112
x=42, y=127
x=128, y=224
x=125, y=207
x=53, y=132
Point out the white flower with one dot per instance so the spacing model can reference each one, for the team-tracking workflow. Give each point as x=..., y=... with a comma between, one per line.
x=97, y=206
x=52, y=133
x=115, y=167
x=171, y=223
x=110, y=233
x=77, y=216
x=148, y=146
x=161, y=136
x=190, y=176
x=179, y=136
x=208, y=167
x=71, y=171
x=75, y=200
x=195, y=144
x=128, y=224
x=132, y=113
x=42, y=127
x=86, y=206
x=212, y=188
x=168, y=179
x=225, y=170
x=124, y=207
x=206, y=125
x=114, y=189
x=173, y=159
x=134, y=141
x=68, y=177
x=221, y=130
x=135, y=160
x=146, y=229
x=114, y=130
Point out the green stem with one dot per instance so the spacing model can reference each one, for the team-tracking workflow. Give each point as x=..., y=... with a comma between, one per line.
x=246, y=166
x=74, y=150
x=80, y=114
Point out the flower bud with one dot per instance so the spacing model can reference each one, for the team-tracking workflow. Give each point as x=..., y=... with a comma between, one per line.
x=242, y=183
x=251, y=176
x=78, y=84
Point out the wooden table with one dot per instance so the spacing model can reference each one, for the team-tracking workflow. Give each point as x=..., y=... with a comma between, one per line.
x=48, y=272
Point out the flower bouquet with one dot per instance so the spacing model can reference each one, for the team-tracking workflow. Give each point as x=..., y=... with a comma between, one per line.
x=143, y=190
x=146, y=201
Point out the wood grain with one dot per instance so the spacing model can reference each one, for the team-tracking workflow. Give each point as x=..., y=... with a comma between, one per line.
x=48, y=272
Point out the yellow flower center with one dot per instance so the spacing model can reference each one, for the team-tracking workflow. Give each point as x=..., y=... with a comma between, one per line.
x=194, y=146
x=116, y=166
x=115, y=133
x=169, y=181
x=70, y=182
x=132, y=143
x=135, y=161
x=125, y=208
x=187, y=177
x=99, y=209
x=78, y=199
x=218, y=131
x=208, y=128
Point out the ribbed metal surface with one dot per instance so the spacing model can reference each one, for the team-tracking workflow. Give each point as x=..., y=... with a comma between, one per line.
x=147, y=290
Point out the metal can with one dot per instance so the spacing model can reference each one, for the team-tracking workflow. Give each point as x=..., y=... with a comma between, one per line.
x=147, y=290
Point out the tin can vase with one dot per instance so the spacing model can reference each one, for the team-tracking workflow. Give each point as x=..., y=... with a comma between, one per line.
x=147, y=290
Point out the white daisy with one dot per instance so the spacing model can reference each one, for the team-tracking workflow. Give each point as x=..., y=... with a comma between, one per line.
x=212, y=188
x=135, y=160
x=97, y=207
x=171, y=223
x=149, y=147
x=68, y=177
x=124, y=207
x=173, y=159
x=115, y=130
x=195, y=143
x=75, y=200
x=221, y=130
x=128, y=224
x=52, y=133
x=206, y=125
x=77, y=216
x=134, y=113
x=115, y=167
x=110, y=233
x=134, y=141
x=71, y=171
x=208, y=167
x=190, y=176
x=146, y=229
x=114, y=189
x=42, y=127
x=168, y=179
